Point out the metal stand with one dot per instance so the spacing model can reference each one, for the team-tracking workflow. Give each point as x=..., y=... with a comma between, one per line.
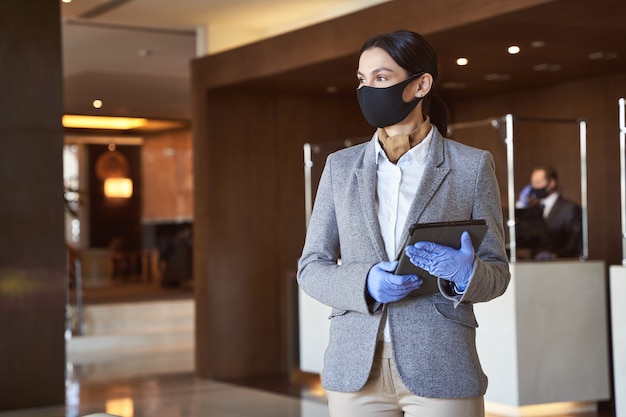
x=79, y=297
x=314, y=159
x=622, y=157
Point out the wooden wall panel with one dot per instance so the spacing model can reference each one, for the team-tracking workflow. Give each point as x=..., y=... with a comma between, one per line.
x=250, y=231
x=33, y=273
x=167, y=177
x=241, y=304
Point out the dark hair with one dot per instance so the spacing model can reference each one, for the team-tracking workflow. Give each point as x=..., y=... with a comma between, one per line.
x=549, y=171
x=412, y=52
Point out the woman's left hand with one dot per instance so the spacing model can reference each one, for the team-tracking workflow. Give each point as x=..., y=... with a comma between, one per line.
x=443, y=261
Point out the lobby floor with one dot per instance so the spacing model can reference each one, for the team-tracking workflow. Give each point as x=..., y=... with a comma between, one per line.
x=113, y=386
x=163, y=384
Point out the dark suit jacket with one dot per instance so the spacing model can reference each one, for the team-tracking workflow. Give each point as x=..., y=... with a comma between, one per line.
x=564, y=225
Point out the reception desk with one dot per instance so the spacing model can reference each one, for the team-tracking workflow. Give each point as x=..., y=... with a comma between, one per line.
x=544, y=343
x=618, y=314
x=314, y=328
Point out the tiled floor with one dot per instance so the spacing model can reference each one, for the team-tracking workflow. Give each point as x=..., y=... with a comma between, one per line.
x=170, y=390
x=179, y=396
x=115, y=388
x=162, y=384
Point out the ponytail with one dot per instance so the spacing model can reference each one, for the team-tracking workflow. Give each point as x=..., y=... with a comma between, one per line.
x=436, y=109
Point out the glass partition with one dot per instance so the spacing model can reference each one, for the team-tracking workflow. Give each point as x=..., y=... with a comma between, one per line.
x=622, y=147
x=503, y=135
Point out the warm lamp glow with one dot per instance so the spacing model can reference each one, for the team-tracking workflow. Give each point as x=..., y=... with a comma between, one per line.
x=118, y=187
x=102, y=122
x=120, y=407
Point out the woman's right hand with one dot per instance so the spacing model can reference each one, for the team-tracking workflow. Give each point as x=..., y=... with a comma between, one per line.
x=386, y=287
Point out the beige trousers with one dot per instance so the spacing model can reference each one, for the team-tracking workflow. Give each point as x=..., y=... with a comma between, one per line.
x=384, y=395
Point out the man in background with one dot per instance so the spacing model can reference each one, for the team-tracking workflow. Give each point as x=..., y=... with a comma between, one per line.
x=563, y=217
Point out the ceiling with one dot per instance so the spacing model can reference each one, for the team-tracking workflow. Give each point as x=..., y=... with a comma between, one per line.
x=573, y=39
x=134, y=54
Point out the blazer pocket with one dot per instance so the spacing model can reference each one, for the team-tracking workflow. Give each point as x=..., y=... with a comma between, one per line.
x=336, y=312
x=462, y=314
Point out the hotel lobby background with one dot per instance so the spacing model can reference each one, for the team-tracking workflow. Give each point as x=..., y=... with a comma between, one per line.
x=244, y=320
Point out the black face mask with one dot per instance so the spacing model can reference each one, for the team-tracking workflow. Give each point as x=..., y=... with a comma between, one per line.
x=384, y=107
x=540, y=192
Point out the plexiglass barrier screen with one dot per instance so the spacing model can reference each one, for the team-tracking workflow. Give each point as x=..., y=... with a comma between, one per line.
x=518, y=144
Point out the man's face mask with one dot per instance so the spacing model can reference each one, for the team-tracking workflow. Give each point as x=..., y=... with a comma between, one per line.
x=540, y=192
x=384, y=107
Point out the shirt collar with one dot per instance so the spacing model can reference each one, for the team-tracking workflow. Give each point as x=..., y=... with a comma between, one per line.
x=549, y=201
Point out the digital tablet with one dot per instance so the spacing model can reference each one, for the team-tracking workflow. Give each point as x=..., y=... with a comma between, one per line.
x=445, y=233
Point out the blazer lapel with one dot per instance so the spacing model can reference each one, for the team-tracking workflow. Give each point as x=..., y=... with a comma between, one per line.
x=366, y=179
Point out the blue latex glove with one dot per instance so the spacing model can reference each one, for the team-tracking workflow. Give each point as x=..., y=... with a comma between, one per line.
x=524, y=197
x=386, y=287
x=445, y=262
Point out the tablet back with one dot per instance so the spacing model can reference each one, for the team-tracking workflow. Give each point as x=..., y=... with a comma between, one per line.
x=445, y=233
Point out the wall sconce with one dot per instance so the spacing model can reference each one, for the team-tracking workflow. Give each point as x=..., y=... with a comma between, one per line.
x=118, y=187
x=112, y=168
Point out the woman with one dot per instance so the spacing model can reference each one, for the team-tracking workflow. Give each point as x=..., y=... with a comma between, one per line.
x=391, y=352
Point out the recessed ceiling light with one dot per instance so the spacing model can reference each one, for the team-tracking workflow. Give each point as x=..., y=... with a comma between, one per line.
x=143, y=53
x=454, y=85
x=547, y=67
x=97, y=104
x=462, y=61
x=497, y=77
x=513, y=49
x=537, y=44
x=602, y=56
x=66, y=1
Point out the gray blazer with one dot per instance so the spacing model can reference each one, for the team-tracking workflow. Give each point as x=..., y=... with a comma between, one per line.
x=433, y=336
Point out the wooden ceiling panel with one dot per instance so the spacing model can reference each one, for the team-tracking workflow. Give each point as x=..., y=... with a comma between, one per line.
x=570, y=30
